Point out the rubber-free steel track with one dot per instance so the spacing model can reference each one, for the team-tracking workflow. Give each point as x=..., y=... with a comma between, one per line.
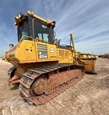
x=58, y=78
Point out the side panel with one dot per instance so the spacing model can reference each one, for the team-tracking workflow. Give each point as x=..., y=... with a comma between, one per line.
x=65, y=56
x=26, y=52
x=49, y=52
x=46, y=52
x=30, y=51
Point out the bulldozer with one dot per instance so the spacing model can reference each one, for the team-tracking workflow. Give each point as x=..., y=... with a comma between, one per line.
x=42, y=66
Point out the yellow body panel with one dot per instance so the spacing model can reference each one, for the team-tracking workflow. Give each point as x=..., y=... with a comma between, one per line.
x=31, y=52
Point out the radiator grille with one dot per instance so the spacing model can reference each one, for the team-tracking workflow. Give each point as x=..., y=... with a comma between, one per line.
x=61, y=52
x=66, y=53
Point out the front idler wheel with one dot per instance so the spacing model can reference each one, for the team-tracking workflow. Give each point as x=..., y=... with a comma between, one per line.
x=39, y=86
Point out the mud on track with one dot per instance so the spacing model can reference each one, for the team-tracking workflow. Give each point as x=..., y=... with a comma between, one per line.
x=90, y=96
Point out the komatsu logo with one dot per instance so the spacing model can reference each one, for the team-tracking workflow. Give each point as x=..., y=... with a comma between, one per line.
x=52, y=50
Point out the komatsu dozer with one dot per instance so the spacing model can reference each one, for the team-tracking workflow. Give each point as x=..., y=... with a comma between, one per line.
x=42, y=67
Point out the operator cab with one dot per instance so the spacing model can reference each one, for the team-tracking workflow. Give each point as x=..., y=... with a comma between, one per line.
x=29, y=27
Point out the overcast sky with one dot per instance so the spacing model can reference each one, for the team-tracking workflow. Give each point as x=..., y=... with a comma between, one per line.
x=88, y=20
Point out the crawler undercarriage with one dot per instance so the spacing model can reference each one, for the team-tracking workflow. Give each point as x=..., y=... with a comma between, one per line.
x=40, y=85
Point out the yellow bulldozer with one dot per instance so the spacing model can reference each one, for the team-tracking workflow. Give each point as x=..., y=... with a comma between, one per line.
x=42, y=67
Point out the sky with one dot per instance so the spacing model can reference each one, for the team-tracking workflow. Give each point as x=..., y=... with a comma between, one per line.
x=87, y=20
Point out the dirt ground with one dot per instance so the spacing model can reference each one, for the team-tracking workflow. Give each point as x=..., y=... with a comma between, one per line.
x=90, y=96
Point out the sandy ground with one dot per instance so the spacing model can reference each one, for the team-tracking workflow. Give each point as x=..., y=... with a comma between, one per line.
x=90, y=96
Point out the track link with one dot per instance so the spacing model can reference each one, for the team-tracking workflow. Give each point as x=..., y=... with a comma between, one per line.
x=58, y=78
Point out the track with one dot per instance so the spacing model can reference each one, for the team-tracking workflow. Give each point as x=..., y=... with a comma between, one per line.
x=40, y=85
